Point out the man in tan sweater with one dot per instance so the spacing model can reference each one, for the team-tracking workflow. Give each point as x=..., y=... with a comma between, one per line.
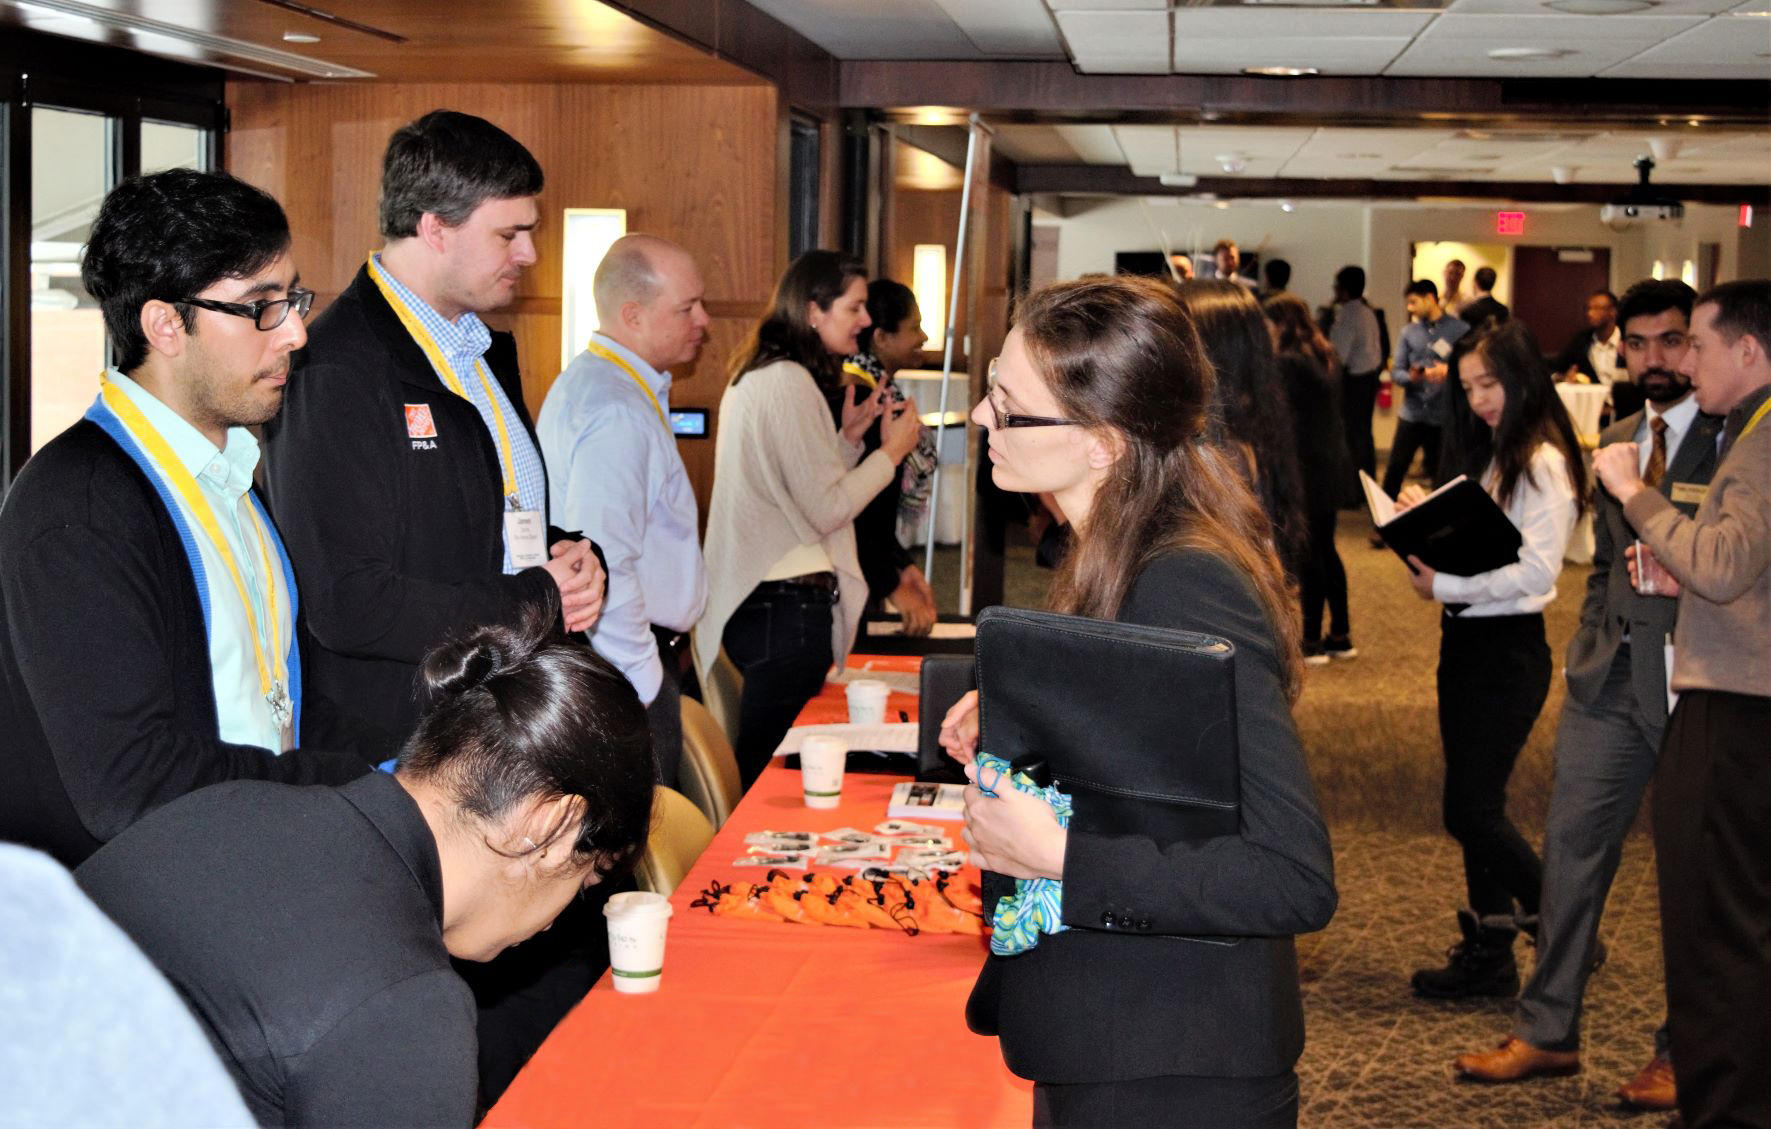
x=1712, y=788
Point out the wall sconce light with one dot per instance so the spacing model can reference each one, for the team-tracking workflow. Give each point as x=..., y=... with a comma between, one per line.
x=1688, y=273
x=928, y=279
x=588, y=234
x=1659, y=271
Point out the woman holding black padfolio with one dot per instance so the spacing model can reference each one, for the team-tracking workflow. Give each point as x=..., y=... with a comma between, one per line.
x=1172, y=996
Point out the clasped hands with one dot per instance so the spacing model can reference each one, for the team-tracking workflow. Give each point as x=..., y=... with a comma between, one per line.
x=579, y=577
x=1011, y=832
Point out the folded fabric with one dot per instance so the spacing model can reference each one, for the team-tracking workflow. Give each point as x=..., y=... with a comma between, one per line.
x=1037, y=905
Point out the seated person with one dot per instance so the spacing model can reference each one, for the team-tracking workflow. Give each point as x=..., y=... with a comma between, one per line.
x=310, y=929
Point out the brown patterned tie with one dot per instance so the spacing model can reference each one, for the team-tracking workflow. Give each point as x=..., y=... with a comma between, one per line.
x=1657, y=457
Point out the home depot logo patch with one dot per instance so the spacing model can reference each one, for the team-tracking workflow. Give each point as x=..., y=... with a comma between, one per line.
x=421, y=427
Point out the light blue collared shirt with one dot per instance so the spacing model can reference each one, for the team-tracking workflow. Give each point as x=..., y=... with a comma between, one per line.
x=242, y=714
x=615, y=473
x=463, y=342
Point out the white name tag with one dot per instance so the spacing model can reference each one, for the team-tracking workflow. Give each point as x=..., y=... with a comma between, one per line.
x=525, y=535
x=1441, y=348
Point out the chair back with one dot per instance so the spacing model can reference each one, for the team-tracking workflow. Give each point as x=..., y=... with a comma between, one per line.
x=708, y=771
x=679, y=834
x=721, y=689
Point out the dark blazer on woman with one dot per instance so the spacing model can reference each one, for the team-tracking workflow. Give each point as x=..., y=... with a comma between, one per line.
x=1212, y=988
x=1315, y=398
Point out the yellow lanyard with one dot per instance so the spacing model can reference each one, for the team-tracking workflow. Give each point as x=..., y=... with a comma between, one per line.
x=860, y=374
x=271, y=680
x=1754, y=421
x=618, y=361
x=438, y=361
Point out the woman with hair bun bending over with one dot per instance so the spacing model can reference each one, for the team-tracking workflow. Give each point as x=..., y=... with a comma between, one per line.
x=311, y=929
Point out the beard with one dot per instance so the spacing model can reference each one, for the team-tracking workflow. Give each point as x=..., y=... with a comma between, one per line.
x=1662, y=386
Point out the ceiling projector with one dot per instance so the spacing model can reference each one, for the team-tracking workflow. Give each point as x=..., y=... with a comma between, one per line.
x=1642, y=203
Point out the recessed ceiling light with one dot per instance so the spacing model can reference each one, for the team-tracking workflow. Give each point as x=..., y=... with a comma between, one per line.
x=299, y=37
x=1361, y=156
x=1280, y=72
x=1599, y=7
x=1529, y=53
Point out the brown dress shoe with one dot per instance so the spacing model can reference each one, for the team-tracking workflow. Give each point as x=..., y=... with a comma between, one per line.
x=1514, y=1061
x=1652, y=1087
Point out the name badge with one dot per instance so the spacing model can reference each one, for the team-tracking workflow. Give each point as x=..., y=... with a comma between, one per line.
x=525, y=535
x=1690, y=492
x=1441, y=348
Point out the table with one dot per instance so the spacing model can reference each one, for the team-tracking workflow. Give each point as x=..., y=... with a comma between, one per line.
x=779, y=1026
x=1585, y=403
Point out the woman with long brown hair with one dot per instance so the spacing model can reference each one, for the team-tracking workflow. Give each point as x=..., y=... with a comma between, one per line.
x=1192, y=1016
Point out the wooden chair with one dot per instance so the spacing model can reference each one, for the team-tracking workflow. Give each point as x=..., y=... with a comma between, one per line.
x=679, y=834
x=721, y=689
x=708, y=772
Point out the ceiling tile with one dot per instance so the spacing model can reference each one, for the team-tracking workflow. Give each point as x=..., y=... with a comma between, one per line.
x=1538, y=8
x=1117, y=42
x=1020, y=28
x=1731, y=46
x=1107, y=5
x=1459, y=44
x=1095, y=144
x=1148, y=149
x=878, y=29
x=1328, y=55
x=1254, y=24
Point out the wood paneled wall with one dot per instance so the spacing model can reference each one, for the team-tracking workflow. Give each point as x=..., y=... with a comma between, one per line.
x=697, y=164
x=923, y=216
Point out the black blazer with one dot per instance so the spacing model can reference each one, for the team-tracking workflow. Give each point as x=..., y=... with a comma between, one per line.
x=107, y=701
x=1574, y=354
x=397, y=542
x=1611, y=605
x=1213, y=989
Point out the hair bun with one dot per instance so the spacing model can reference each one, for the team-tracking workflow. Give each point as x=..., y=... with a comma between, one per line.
x=465, y=664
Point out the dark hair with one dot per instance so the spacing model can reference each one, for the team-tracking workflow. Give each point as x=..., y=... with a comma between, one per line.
x=518, y=713
x=888, y=303
x=170, y=236
x=1249, y=406
x=1742, y=307
x=1422, y=286
x=785, y=333
x=1278, y=273
x=449, y=163
x=1298, y=331
x=1602, y=292
x=1655, y=296
x=1350, y=281
x=1533, y=415
x=1224, y=245
x=1485, y=277
x=1123, y=352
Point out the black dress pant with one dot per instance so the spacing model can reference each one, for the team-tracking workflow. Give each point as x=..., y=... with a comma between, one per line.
x=1169, y=1103
x=1358, y=403
x=1494, y=674
x=1411, y=437
x=1712, y=815
x=1324, y=580
x=779, y=639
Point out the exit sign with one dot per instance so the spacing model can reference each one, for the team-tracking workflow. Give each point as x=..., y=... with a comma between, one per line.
x=1509, y=223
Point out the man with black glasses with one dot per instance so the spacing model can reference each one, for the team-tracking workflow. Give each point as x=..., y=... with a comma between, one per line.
x=147, y=609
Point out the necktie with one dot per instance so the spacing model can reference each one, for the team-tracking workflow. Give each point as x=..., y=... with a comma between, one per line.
x=1657, y=457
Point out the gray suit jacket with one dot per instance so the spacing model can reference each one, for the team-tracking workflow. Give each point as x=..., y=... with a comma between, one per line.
x=1611, y=605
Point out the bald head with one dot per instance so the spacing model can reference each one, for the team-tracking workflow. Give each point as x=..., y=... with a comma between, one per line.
x=649, y=298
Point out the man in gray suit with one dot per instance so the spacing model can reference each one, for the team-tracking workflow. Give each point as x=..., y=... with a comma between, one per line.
x=1616, y=709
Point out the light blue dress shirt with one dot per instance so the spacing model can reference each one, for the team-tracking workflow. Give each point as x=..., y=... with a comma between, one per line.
x=243, y=715
x=1423, y=401
x=463, y=342
x=615, y=473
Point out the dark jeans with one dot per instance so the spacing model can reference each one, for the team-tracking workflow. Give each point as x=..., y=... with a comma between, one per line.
x=1712, y=804
x=779, y=638
x=1171, y=1102
x=1494, y=674
x=1358, y=402
x=664, y=716
x=1324, y=579
x=1411, y=437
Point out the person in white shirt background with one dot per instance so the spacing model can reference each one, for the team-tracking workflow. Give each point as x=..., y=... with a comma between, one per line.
x=614, y=470
x=1506, y=428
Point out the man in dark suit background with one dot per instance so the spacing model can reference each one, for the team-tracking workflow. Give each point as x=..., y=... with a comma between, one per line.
x=1595, y=355
x=1609, y=735
x=1485, y=307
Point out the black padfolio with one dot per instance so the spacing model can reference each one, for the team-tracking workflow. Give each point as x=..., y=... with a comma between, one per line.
x=1137, y=724
x=944, y=680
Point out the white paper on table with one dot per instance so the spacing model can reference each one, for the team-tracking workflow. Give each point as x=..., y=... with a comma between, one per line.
x=1672, y=696
x=903, y=682
x=898, y=737
x=940, y=631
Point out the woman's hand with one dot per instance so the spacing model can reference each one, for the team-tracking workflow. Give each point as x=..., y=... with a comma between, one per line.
x=900, y=431
x=1421, y=578
x=959, y=729
x=915, y=601
x=859, y=409
x=1412, y=495
x=1013, y=833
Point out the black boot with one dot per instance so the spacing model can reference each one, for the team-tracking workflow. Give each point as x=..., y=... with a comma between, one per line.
x=1479, y=965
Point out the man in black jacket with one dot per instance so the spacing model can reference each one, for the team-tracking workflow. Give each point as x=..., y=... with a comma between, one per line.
x=406, y=470
x=147, y=614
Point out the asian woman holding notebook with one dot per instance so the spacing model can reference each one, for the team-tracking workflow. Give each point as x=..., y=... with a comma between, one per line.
x=1507, y=429
x=1171, y=997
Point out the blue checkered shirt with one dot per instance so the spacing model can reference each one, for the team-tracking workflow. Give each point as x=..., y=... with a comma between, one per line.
x=464, y=342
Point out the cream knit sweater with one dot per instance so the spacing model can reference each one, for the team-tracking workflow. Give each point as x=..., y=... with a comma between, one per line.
x=783, y=476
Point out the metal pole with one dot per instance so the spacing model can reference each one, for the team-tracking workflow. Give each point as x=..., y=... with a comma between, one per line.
x=965, y=204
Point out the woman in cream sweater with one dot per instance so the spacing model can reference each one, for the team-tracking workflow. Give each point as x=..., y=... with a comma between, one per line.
x=785, y=588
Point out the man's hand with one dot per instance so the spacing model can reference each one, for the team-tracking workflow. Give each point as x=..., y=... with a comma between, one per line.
x=1435, y=374
x=1665, y=583
x=579, y=576
x=1013, y=833
x=959, y=729
x=1617, y=466
x=859, y=409
x=1421, y=578
x=915, y=601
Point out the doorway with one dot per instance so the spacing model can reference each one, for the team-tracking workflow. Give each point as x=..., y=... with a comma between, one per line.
x=1550, y=288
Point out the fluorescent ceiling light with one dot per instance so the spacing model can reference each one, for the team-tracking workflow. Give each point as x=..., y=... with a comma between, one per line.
x=1599, y=7
x=1280, y=72
x=1527, y=54
x=299, y=37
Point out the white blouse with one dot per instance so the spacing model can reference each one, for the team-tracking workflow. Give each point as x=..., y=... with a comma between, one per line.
x=1543, y=507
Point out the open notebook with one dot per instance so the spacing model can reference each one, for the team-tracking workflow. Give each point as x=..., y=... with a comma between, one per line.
x=1457, y=529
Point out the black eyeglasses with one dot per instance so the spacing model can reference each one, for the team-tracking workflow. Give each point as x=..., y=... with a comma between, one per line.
x=266, y=313
x=1009, y=419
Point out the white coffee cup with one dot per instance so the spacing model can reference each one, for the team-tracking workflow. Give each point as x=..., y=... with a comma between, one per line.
x=867, y=701
x=821, y=763
x=637, y=921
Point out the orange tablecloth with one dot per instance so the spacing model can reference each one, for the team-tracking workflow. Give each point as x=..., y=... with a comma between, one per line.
x=778, y=1026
